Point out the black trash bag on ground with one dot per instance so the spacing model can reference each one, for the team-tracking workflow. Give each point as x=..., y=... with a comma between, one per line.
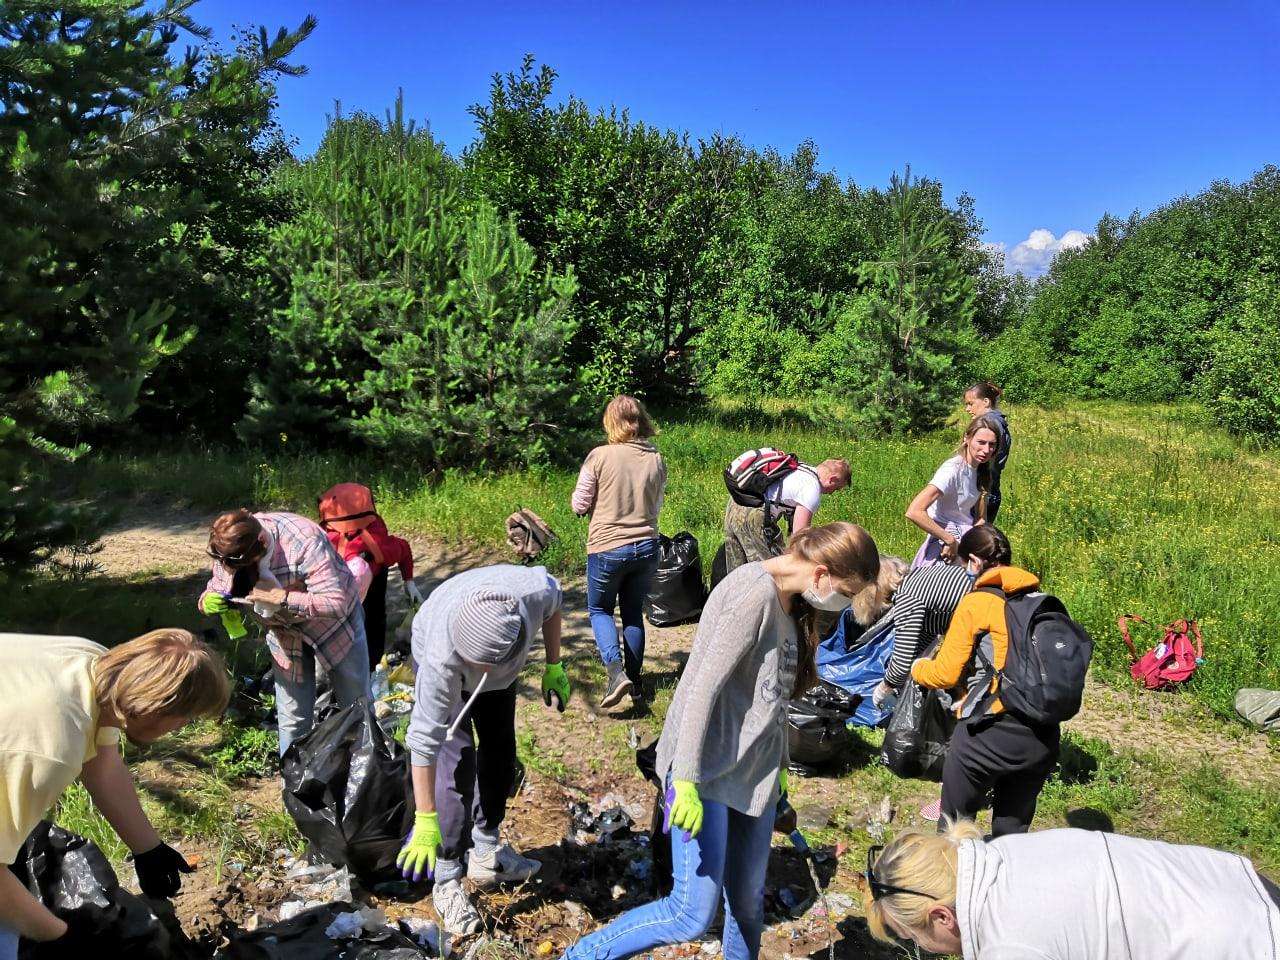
x=676, y=593
x=660, y=877
x=347, y=786
x=817, y=731
x=74, y=880
x=915, y=742
x=303, y=938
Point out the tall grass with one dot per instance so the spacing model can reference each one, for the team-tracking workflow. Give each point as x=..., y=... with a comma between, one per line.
x=1119, y=509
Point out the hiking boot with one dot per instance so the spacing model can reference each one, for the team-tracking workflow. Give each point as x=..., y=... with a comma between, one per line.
x=457, y=915
x=503, y=865
x=618, y=687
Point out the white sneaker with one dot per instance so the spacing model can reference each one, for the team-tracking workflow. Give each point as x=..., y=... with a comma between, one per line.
x=504, y=865
x=457, y=915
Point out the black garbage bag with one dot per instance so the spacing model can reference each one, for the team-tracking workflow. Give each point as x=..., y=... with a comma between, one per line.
x=303, y=938
x=72, y=877
x=915, y=742
x=817, y=731
x=347, y=786
x=676, y=593
x=661, y=879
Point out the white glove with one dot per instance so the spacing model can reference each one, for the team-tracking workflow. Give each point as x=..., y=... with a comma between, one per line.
x=415, y=595
x=883, y=695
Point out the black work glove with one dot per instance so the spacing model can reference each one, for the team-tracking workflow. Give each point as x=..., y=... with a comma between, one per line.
x=158, y=870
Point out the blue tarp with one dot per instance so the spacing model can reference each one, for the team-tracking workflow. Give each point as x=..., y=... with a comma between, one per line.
x=855, y=660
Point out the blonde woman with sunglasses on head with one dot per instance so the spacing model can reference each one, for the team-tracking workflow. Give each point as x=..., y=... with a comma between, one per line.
x=1068, y=895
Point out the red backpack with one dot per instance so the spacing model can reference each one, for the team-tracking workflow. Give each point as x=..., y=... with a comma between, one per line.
x=1173, y=660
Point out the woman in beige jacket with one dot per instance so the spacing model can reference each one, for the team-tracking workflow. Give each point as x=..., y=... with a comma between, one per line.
x=620, y=487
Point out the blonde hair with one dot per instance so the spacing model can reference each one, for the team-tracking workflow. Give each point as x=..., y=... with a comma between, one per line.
x=871, y=603
x=839, y=469
x=924, y=862
x=626, y=419
x=852, y=561
x=164, y=673
x=982, y=421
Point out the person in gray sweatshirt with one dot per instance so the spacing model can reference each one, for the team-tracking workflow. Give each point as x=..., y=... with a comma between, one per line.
x=1069, y=895
x=471, y=639
x=723, y=749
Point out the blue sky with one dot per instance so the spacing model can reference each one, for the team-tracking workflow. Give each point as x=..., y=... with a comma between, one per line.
x=1048, y=114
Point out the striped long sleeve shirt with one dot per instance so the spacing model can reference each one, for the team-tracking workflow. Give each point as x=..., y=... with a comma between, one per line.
x=922, y=609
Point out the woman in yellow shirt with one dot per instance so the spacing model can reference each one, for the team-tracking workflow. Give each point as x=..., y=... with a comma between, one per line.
x=63, y=704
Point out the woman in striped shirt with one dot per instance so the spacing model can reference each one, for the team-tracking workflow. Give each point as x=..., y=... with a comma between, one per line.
x=922, y=609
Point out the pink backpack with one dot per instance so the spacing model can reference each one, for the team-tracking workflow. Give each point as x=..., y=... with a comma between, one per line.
x=1173, y=660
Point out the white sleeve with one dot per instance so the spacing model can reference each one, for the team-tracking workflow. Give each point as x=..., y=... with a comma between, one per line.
x=944, y=478
x=803, y=489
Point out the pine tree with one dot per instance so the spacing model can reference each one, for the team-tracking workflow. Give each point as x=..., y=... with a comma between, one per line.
x=916, y=335
x=98, y=122
x=417, y=320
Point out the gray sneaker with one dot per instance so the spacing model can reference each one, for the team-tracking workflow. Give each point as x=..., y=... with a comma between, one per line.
x=503, y=865
x=618, y=687
x=457, y=914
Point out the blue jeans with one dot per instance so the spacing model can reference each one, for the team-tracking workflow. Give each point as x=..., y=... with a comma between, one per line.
x=728, y=858
x=296, y=699
x=8, y=939
x=620, y=578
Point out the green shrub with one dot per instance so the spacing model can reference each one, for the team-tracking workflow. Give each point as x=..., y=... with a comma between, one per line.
x=1243, y=385
x=417, y=321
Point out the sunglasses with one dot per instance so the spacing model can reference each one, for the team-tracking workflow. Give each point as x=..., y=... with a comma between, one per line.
x=237, y=561
x=880, y=890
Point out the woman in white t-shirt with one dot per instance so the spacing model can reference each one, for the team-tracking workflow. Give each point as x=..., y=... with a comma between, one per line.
x=945, y=508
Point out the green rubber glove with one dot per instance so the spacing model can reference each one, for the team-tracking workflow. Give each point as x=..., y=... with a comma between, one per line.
x=784, y=781
x=214, y=603
x=686, y=807
x=555, y=683
x=422, y=847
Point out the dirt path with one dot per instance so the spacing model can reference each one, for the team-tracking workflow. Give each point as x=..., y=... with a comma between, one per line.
x=588, y=756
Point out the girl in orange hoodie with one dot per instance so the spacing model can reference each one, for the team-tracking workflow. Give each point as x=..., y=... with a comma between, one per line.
x=991, y=751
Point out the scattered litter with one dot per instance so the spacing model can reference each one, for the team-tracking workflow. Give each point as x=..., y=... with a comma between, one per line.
x=711, y=947
x=607, y=824
x=618, y=891
x=545, y=948
x=306, y=937
x=345, y=926
x=324, y=884
x=427, y=933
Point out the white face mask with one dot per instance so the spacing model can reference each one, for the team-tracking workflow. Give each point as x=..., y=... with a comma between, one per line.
x=834, y=600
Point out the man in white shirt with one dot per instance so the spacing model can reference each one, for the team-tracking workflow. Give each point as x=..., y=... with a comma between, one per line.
x=752, y=533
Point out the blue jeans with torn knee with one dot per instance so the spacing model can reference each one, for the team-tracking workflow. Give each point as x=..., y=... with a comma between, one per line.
x=726, y=860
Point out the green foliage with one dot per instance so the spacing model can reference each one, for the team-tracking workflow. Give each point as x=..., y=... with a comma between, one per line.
x=915, y=338
x=251, y=752
x=118, y=159
x=417, y=320
x=1180, y=303
x=634, y=211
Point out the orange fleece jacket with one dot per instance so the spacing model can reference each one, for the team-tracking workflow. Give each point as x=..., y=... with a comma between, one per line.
x=978, y=613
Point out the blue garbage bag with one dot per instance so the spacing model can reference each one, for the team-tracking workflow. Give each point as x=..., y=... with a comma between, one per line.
x=854, y=659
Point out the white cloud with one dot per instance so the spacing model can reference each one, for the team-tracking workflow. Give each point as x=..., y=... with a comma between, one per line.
x=1034, y=254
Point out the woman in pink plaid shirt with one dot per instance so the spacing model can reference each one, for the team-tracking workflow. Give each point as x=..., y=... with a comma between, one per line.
x=282, y=568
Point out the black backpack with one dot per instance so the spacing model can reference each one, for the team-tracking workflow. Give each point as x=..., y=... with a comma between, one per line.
x=1047, y=662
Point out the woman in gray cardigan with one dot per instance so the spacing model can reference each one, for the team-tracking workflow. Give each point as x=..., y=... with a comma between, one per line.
x=723, y=745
